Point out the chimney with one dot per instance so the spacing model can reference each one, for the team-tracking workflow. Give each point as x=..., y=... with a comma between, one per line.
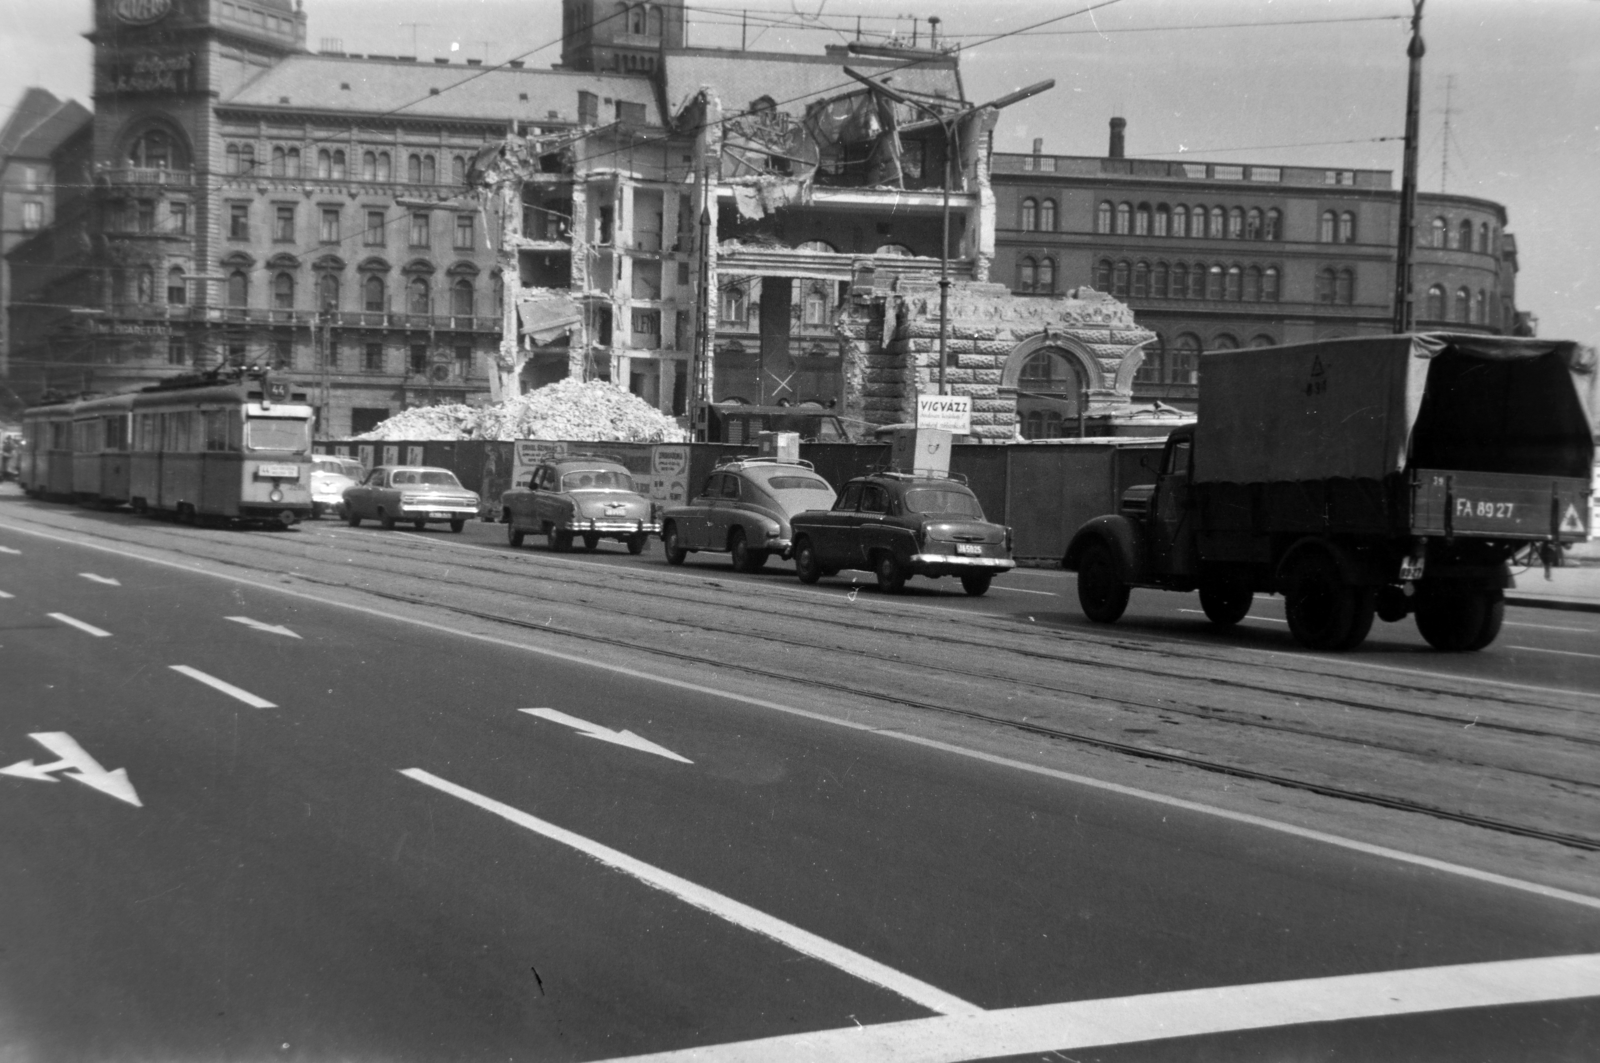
x=1038, y=146
x=1117, y=126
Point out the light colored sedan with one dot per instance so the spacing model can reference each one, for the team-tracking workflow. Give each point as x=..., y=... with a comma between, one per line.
x=330, y=476
x=418, y=494
x=744, y=508
x=589, y=497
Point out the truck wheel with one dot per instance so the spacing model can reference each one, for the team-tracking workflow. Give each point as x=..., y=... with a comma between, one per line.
x=976, y=584
x=805, y=562
x=891, y=577
x=514, y=535
x=1324, y=613
x=1460, y=621
x=674, y=549
x=1225, y=604
x=1101, y=592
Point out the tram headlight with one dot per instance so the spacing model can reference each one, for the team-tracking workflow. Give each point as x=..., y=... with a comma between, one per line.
x=276, y=495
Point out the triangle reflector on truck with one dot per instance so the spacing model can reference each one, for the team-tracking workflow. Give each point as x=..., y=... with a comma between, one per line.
x=1572, y=522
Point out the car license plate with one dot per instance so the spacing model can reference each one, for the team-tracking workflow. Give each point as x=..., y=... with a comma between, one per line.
x=438, y=515
x=969, y=549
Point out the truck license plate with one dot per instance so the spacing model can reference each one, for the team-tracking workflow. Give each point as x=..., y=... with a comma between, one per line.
x=969, y=549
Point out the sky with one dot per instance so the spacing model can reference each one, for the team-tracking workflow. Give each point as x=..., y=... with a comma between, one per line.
x=1289, y=82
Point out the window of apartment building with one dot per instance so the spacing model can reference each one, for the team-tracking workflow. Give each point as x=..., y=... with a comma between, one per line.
x=419, y=230
x=1236, y=223
x=1272, y=229
x=330, y=352
x=1232, y=284
x=1030, y=215
x=1180, y=220
x=369, y=166
x=1347, y=228
x=419, y=299
x=373, y=235
x=145, y=280
x=282, y=354
x=329, y=232
x=177, y=286
x=283, y=224
x=1124, y=219
x=1162, y=221
x=1480, y=308
x=1483, y=238
x=1217, y=223
x=30, y=178
x=462, y=297
x=372, y=357
x=145, y=216
x=1102, y=218
x=328, y=291
x=1119, y=280
x=32, y=215
x=464, y=229
x=285, y=161
x=417, y=358
x=177, y=351
x=283, y=291
x=239, y=158
x=458, y=171
x=1159, y=275
x=735, y=306
x=239, y=221
x=1252, y=224
x=498, y=285
x=238, y=288
x=1214, y=283
x=1141, y=220
x=1197, y=222
x=178, y=218
x=814, y=310
x=1183, y=360
x=463, y=360
x=1269, y=284
x=1325, y=227
x=1141, y=280
x=421, y=169
x=1465, y=241
x=683, y=276
x=373, y=295
x=1437, y=233
x=646, y=329
x=377, y=166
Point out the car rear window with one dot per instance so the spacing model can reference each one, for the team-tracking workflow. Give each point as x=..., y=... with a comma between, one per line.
x=797, y=483
x=597, y=480
x=438, y=479
x=943, y=501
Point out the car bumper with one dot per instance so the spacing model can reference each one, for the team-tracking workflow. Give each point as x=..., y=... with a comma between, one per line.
x=954, y=564
x=450, y=512
x=612, y=527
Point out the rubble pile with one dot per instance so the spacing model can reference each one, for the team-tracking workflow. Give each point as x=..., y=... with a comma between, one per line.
x=591, y=411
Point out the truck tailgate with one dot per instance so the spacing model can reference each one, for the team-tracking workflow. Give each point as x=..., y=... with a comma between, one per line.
x=1499, y=505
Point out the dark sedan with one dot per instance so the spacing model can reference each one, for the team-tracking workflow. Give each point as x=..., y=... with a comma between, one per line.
x=744, y=509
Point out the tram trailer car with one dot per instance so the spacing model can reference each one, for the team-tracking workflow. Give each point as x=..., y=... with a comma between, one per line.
x=232, y=451
x=101, y=463
x=46, y=467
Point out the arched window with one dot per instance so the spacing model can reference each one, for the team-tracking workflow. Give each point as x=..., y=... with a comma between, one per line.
x=294, y=162
x=1483, y=238
x=1047, y=216
x=385, y=170
x=238, y=288
x=283, y=292
x=1141, y=280
x=418, y=299
x=1272, y=229
x=1438, y=232
x=1180, y=220
x=1231, y=284
x=369, y=166
x=1252, y=224
x=414, y=169
x=1158, y=281
x=157, y=149
x=177, y=286
x=1163, y=220
x=1214, y=282
x=1119, y=280
x=1325, y=286
x=1151, y=369
x=1102, y=218
x=463, y=299
x=1141, y=220
x=1269, y=284
x=1480, y=308
x=1261, y=339
x=458, y=170
x=1180, y=280
x=324, y=164
x=1124, y=217
x=430, y=173
x=1347, y=228
x=247, y=158
x=231, y=154
x=1183, y=362
x=328, y=291
x=1047, y=274
x=1344, y=288
x=280, y=164
x=1030, y=215
x=1027, y=273
x=1252, y=284
x=1463, y=305
x=373, y=297
x=638, y=22
x=1225, y=341
x=339, y=171
x=1325, y=230
x=1236, y=224
x=1218, y=221
x=1050, y=395
x=1435, y=305
x=146, y=292
x=1464, y=241
x=1102, y=275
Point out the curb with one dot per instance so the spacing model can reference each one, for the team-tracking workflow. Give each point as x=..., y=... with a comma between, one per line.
x=1571, y=605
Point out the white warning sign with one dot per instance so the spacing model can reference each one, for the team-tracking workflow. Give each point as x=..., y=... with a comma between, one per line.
x=1571, y=521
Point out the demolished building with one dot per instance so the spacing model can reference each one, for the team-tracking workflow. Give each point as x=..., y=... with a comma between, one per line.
x=775, y=235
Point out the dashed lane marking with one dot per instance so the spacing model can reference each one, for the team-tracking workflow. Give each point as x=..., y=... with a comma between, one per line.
x=107, y=580
x=1552, y=627
x=735, y=912
x=3, y=594
x=1084, y=1024
x=80, y=625
x=1024, y=590
x=8, y=550
x=1563, y=653
x=227, y=688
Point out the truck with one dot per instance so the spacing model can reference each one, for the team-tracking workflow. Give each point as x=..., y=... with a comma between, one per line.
x=1365, y=478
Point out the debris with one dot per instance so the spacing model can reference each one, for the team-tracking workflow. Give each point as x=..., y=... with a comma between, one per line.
x=593, y=411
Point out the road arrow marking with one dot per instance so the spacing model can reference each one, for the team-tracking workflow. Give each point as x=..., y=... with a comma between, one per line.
x=80, y=766
x=8, y=550
x=227, y=688
x=259, y=626
x=107, y=580
x=80, y=625
x=605, y=734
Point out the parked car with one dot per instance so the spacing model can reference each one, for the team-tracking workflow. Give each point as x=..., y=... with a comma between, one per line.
x=419, y=494
x=589, y=497
x=330, y=475
x=896, y=526
x=744, y=509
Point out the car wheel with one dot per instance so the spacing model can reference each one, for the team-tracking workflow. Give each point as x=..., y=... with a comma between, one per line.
x=1101, y=593
x=1225, y=604
x=744, y=558
x=591, y=541
x=514, y=535
x=805, y=562
x=420, y=525
x=976, y=584
x=674, y=549
x=351, y=517
x=385, y=520
x=1324, y=612
x=560, y=541
x=457, y=524
x=637, y=542
x=891, y=577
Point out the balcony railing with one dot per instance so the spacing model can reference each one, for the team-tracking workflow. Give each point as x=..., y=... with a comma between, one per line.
x=308, y=318
x=142, y=175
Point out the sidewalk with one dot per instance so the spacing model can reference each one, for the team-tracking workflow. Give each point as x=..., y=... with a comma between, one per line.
x=1572, y=586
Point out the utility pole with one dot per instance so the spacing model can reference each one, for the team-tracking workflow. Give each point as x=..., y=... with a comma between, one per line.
x=414, y=26
x=1408, y=181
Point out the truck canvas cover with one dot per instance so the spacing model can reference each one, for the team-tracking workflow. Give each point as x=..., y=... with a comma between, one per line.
x=1367, y=408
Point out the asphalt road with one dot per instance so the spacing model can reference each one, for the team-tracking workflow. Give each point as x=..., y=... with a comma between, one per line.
x=352, y=842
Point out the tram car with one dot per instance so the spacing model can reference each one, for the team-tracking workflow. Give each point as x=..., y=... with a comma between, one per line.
x=223, y=445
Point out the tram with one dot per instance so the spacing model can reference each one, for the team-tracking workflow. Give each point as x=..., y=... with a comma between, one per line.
x=228, y=444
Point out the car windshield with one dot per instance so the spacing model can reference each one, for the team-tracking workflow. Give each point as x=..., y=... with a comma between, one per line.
x=278, y=433
x=943, y=501
x=597, y=480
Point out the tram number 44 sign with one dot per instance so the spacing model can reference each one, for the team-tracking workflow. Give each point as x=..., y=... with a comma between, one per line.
x=74, y=763
x=947, y=413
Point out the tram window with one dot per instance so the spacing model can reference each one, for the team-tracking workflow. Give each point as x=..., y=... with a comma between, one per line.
x=216, y=429
x=235, y=431
x=117, y=432
x=277, y=433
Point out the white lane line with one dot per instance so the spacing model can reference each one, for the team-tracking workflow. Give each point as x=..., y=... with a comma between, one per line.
x=1552, y=627
x=1268, y=619
x=8, y=550
x=1396, y=855
x=3, y=594
x=1563, y=653
x=742, y=915
x=107, y=580
x=1024, y=590
x=227, y=688
x=1182, y=1013
x=80, y=625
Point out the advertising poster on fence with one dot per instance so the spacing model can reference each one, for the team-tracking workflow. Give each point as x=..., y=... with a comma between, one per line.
x=527, y=454
x=669, y=474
